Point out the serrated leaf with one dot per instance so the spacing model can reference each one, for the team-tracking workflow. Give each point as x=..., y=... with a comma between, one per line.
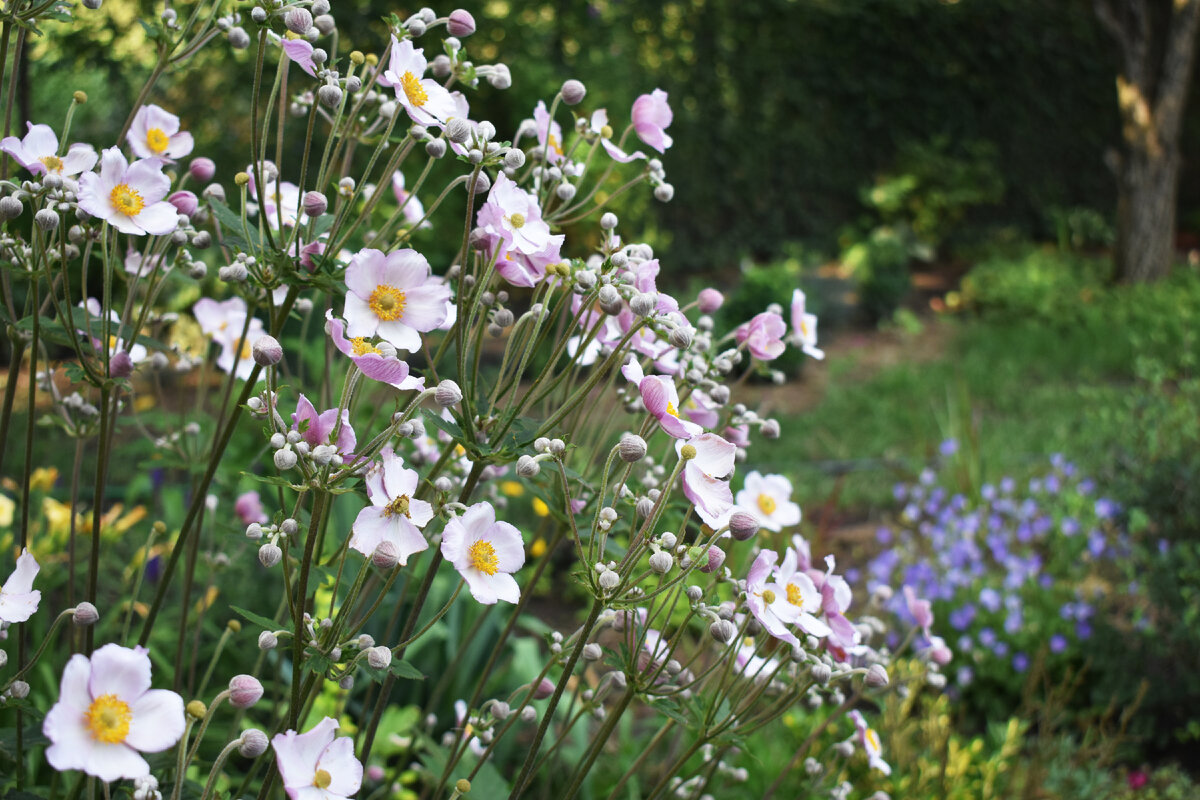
x=445, y=425
x=232, y=224
x=257, y=619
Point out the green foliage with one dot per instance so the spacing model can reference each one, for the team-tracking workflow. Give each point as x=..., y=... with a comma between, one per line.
x=880, y=265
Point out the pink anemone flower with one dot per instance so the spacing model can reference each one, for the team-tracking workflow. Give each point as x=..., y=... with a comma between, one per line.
x=129, y=196
x=485, y=552
x=427, y=102
x=18, y=598
x=38, y=153
x=318, y=429
x=769, y=499
x=661, y=400
x=318, y=765
x=394, y=514
x=763, y=336
x=767, y=600
x=155, y=133
x=371, y=359
x=107, y=715
x=705, y=477
x=393, y=296
x=651, y=115
x=513, y=216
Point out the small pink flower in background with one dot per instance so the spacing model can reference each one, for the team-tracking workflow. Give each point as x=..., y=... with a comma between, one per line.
x=426, y=101
x=802, y=595
x=528, y=270
x=38, y=153
x=921, y=610
x=763, y=335
x=107, y=714
x=549, y=133
x=1137, y=779
x=116, y=344
x=394, y=297
x=155, y=133
x=18, y=598
x=249, y=508
x=868, y=739
x=836, y=597
x=767, y=600
x=651, y=115
x=661, y=400
x=318, y=765
x=318, y=429
x=599, y=126
x=135, y=264
x=486, y=553
x=394, y=515
x=129, y=196
x=705, y=477
x=710, y=300
x=411, y=207
x=237, y=353
x=300, y=53
x=804, y=326
x=769, y=499
x=513, y=217
x=280, y=200
x=371, y=359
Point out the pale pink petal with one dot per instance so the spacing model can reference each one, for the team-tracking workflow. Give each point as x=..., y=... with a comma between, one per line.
x=420, y=512
x=297, y=754
x=401, y=336
x=407, y=538
x=120, y=671
x=510, y=549
x=157, y=219
x=425, y=306
x=157, y=722
x=371, y=527
x=345, y=771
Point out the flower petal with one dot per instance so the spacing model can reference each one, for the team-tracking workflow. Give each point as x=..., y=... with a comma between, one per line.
x=157, y=722
x=121, y=671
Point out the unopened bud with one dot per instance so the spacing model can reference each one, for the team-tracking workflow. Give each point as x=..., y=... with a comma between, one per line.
x=270, y=554
x=723, y=631
x=85, y=614
x=267, y=641
x=608, y=580
x=267, y=351
x=314, y=203
x=285, y=459
x=460, y=23
x=253, y=743
x=19, y=690
x=661, y=562
x=202, y=169
x=742, y=525
x=876, y=676
x=543, y=690
x=710, y=300
x=573, y=92
x=716, y=557
x=379, y=657
x=46, y=219
x=120, y=365
x=330, y=96
x=386, y=555
x=298, y=20
x=10, y=208
x=527, y=466
x=821, y=673
x=447, y=393
x=770, y=429
x=244, y=691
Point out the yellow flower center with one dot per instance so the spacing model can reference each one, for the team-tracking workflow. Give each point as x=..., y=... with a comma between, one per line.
x=361, y=347
x=552, y=142
x=126, y=201
x=51, y=163
x=413, y=89
x=483, y=558
x=672, y=410
x=517, y=220
x=794, y=595
x=247, y=351
x=387, y=302
x=108, y=719
x=156, y=140
x=768, y=597
x=322, y=779
x=766, y=504
x=872, y=739
x=606, y=132
x=397, y=506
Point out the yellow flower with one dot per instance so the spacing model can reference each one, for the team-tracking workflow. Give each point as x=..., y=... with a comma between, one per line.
x=538, y=548
x=540, y=508
x=512, y=489
x=43, y=478
x=7, y=507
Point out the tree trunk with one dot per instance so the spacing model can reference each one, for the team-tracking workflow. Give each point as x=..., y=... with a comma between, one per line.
x=1157, y=40
x=1146, y=215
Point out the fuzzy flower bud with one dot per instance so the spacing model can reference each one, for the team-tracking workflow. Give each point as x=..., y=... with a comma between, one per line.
x=592, y=652
x=876, y=676
x=244, y=691
x=85, y=614
x=330, y=96
x=448, y=394
x=821, y=673
x=19, y=690
x=573, y=92
x=770, y=429
x=661, y=562
x=608, y=580
x=379, y=657
x=238, y=38
x=120, y=365
x=46, y=219
x=267, y=351
x=544, y=689
x=202, y=169
x=716, y=557
x=253, y=743
x=270, y=554
x=680, y=338
x=742, y=525
x=267, y=641
x=460, y=23
x=10, y=208
x=514, y=158
x=314, y=203
x=285, y=459
x=723, y=631
x=298, y=20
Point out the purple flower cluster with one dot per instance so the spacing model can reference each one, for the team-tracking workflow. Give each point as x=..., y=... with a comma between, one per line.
x=1010, y=570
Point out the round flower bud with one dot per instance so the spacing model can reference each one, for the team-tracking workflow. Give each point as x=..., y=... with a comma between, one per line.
x=710, y=300
x=500, y=77
x=46, y=219
x=877, y=676
x=253, y=743
x=19, y=690
x=267, y=641
x=680, y=338
x=285, y=459
x=202, y=169
x=687, y=452
x=661, y=562
x=325, y=24
x=196, y=709
x=544, y=689
x=92, y=4
x=514, y=158
x=379, y=657
x=267, y=351
x=694, y=593
x=330, y=96
x=565, y=191
x=723, y=631
x=85, y=614
x=632, y=448
x=298, y=20
x=258, y=14
x=500, y=710
x=608, y=221
x=592, y=652
x=770, y=429
x=10, y=208
x=238, y=38
x=386, y=556
x=448, y=393
x=644, y=507
x=244, y=691
x=664, y=192
x=120, y=365
x=716, y=557
x=460, y=23
x=481, y=183
x=270, y=554
x=609, y=297
x=742, y=525
x=314, y=203
x=608, y=580
x=458, y=130
x=3, y=659
x=573, y=92
x=821, y=673
x=527, y=466
x=643, y=304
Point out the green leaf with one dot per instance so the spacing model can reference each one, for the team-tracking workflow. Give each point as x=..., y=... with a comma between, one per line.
x=232, y=223
x=257, y=619
x=449, y=427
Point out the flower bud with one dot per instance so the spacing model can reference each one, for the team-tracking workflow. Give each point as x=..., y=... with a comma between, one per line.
x=330, y=96
x=514, y=158
x=253, y=743
x=716, y=557
x=460, y=23
x=694, y=594
x=267, y=351
x=267, y=641
x=435, y=148
x=185, y=202
x=19, y=690
x=202, y=169
x=661, y=562
x=85, y=614
x=643, y=304
x=664, y=192
x=710, y=300
x=196, y=709
x=631, y=448
x=573, y=92
x=742, y=526
x=46, y=219
x=379, y=657
x=244, y=691
x=3, y=659
x=770, y=429
x=285, y=459
x=10, y=208
x=447, y=393
x=325, y=23
x=298, y=20
x=609, y=297
x=270, y=554
x=544, y=689
x=120, y=365
x=821, y=673
x=92, y=4
x=608, y=580
x=592, y=652
x=527, y=466
x=314, y=203
x=608, y=221
x=877, y=676
x=481, y=183
x=723, y=631
x=238, y=38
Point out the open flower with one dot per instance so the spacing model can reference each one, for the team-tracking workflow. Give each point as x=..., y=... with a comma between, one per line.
x=107, y=714
x=155, y=133
x=662, y=401
x=528, y=270
x=651, y=114
x=426, y=101
x=705, y=477
x=600, y=127
x=394, y=297
x=38, y=153
x=512, y=216
x=18, y=598
x=486, y=553
x=769, y=499
x=767, y=600
x=249, y=508
x=802, y=594
x=318, y=429
x=763, y=335
x=116, y=344
x=868, y=739
x=318, y=765
x=129, y=196
x=394, y=514
x=371, y=359
x=549, y=133
x=804, y=327
x=410, y=206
